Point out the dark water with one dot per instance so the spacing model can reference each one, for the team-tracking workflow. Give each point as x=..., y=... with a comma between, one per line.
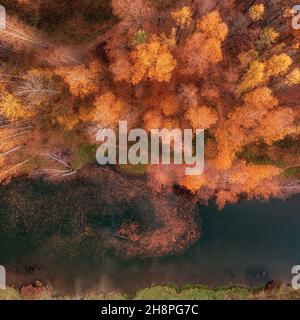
x=250, y=243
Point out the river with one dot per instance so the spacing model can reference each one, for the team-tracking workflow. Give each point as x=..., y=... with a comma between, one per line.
x=249, y=243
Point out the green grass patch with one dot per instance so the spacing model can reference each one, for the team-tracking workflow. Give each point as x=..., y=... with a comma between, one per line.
x=157, y=293
x=83, y=154
x=292, y=172
x=192, y=293
x=136, y=169
x=259, y=158
x=115, y=296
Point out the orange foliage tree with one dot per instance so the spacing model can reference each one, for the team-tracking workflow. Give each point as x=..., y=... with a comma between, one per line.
x=204, y=46
x=82, y=80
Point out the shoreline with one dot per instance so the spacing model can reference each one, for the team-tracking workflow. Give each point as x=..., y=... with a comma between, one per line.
x=274, y=290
